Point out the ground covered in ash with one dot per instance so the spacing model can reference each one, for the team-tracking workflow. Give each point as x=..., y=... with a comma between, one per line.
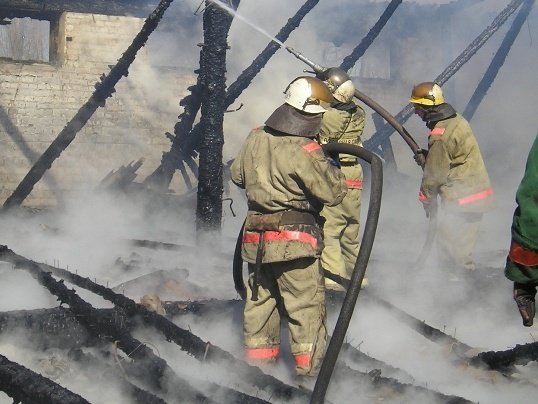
x=152, y=256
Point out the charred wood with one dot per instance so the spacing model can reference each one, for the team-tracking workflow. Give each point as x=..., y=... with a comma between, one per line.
x=137, y=8
x=188, y=342
x=150, y=367
x=350, y=60
x=55, y=328
x=122, y=177
x=103, y=90
x=216, y=24
x=504, y=360
x=431, y=333
x=498, y=60
x=383, y=134
x=26, y=386
x=245, y=78
x=137, y=394
x=389, y=386
x=186, y=145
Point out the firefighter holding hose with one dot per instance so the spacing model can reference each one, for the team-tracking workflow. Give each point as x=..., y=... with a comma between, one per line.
x=455, y=172
x=288, y=179
x=522, y=261
x=342, y=123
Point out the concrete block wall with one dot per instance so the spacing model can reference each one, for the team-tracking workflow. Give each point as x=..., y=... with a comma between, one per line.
x=37, y=100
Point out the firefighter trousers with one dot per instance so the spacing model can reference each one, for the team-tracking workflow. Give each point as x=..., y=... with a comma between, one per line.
x=294, y=290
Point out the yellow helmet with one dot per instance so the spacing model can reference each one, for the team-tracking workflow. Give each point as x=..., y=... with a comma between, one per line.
x=427, y=93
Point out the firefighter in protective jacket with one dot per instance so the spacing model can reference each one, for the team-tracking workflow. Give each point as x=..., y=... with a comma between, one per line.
x=522, y=260
x=455, y=172
x=343, y=123
x=287, y=178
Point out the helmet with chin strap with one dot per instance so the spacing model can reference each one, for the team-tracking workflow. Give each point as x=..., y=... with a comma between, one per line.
x=308, y=94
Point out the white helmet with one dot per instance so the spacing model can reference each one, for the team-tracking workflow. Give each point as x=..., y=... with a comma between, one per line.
x=308, y=94
x=339, y=83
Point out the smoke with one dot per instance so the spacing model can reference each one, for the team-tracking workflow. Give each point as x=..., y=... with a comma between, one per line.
x=93, y=235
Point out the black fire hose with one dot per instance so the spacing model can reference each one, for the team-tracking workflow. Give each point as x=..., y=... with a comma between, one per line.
x=370, y=227
x=348, y=305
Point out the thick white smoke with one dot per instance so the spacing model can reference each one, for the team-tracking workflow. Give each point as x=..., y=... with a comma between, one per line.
x=94, y=234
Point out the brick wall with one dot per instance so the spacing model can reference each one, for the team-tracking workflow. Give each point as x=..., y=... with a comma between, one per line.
x=38, y=100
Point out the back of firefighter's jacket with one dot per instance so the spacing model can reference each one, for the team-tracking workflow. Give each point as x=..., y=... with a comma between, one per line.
x=282, y=173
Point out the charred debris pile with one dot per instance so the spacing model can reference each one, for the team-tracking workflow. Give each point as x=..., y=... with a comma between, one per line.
x=103, y=339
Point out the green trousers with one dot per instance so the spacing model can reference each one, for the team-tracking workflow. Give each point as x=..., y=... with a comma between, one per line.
x=294, y=290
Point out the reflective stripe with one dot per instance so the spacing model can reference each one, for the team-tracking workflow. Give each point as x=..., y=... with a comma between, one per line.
x=422, y=197
x=437, y=131
x=262, y=353
x=354, y=184
x=286, y=235
x=311, y=147
x=523, y=256
x=302, y=360
x=475, y=197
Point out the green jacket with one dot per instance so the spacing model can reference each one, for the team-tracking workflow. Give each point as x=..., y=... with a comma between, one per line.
x=343, y=127
x=283, y=173
x=454, y=168
x=522, y=262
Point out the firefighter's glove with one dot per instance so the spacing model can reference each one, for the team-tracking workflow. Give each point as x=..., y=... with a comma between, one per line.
x=524, y=295
x=420, y=157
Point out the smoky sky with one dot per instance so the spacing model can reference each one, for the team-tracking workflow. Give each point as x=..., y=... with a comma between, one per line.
x=92, y=234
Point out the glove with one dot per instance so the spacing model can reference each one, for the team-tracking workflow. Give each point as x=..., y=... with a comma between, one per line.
x=420, y=157
x=524, y=296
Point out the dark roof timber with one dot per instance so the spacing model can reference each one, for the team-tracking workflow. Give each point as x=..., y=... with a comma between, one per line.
x=136, y=8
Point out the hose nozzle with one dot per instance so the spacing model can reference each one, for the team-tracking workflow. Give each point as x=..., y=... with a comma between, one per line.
x=317, y=68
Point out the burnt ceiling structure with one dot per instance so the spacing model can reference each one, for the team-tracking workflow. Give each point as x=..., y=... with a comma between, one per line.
x=170, y=330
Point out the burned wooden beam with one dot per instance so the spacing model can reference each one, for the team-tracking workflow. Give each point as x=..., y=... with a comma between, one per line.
x=245, y=78
x=152, y=369
x=382, y=135
x=58, y=327
x=216, y=23
x=350, y=60
x=186, y=138
x=390, y=386
x=188, y=342
x=137, y=8
x=26, y=386
x=103, y=90
x=137, y=394
x=498, y=60
x=505, y=360
x=121, y=178
x=433, y=334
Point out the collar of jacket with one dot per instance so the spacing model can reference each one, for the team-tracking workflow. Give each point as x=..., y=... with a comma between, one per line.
x=344, y=106
x=288, y=120
x=438, y=113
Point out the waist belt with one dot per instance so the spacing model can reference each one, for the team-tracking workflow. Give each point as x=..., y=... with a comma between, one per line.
x=273, y=221
x=522, y=255
x=348, y=163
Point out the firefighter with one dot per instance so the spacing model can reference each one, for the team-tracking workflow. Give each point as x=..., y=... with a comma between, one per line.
x=343, y=123
x=287, y=178
x=454, y=171
x=522, y=261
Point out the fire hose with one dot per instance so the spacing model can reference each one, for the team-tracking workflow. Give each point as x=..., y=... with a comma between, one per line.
x=350, y=299
x=418, y=155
